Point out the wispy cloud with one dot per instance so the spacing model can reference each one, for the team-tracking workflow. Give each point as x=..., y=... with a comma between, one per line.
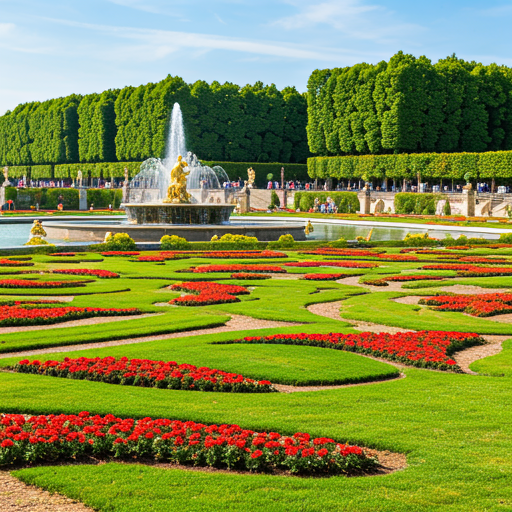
x=354, y=18
x=17, y=39
x=219, y=19
x=154, y=44
x=499, y=10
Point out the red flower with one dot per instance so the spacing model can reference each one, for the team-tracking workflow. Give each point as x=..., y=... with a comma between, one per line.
x=255, y=454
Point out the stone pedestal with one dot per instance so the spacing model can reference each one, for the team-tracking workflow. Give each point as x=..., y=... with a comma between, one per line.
x=82, y=197
x=469, y=202
x=126, y=192
x=2, y=196
x=365, y=201
x=244, y=197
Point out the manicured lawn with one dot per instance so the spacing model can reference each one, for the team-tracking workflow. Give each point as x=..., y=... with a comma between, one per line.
x=455, y=429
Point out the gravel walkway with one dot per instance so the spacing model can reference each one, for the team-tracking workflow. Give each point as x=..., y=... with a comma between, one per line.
x=15, y=496
x=74, y=323
x=464, y=358
x=236, y=323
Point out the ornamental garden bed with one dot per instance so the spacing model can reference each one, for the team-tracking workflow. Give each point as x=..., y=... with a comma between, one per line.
x=343, y=264
x=102, y=274
x=15, y=263
x=27, y=283
x=207, y=293
x=383, y=281
x=50, y=438
x=425, y=349
x=43, y=313
x=146, y=373
x=326, y=277
x=260, y=268
x=481, y=305
x=250, y=276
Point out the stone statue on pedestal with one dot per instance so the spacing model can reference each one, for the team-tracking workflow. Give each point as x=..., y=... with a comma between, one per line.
x=6, y=182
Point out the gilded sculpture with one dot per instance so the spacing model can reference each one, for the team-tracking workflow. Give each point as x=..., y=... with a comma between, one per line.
x=252, y=176
x=177, y=191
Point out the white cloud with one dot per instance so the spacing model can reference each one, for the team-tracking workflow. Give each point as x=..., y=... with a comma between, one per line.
x=155, y=44
x=499, y=10
x=16, y=39
x=353, y=18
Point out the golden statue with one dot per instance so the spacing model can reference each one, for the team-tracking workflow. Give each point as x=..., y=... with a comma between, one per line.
x=177, y=191
x=251, y=175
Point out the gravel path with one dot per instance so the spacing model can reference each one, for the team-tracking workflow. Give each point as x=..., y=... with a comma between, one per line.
x=73, y=323
x=332, y=310
x=15, y=496
x=464, y=358
x=236, y=323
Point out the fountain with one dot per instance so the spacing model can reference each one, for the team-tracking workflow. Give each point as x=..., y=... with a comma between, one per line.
x=177, y=195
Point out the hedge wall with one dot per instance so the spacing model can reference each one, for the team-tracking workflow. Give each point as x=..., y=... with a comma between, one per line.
x=347, y=202
x=239, y=169
x=49, y=198
x=418, y=204
x=431, y=166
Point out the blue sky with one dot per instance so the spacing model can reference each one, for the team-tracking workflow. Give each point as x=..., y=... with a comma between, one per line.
x=53, y=48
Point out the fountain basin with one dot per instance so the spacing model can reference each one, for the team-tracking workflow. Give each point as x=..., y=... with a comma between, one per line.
x=94, y=231
x=176, y=214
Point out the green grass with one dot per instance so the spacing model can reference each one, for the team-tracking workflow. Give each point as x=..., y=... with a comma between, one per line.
x=499, y=365
x=455, y=429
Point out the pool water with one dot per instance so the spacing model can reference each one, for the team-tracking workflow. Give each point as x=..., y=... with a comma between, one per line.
x=18, y=234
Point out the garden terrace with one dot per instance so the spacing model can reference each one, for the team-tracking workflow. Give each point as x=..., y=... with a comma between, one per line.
x=451, y=427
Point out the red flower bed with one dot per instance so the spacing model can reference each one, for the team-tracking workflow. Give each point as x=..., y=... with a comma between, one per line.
x=46, y=438
x=426, y=349
x=63, y=254
x=14, y=263
x=31, y=313
x=238, y=268
x=325, y=277
x=486, y=304
x=207, y=293
x=460, y=247
x=485, y=272
x=246, y=275
x=120, y=253
x=498, y=246
x=146, y=373
x=342, y=252
x=344, y=264
x=151, y=258
x=448, y=267
x=25, y=283
x=241, y=254
x=397, y=257
x=102, y=274
x=412, y=277
x=426, y=251
x=479, y=259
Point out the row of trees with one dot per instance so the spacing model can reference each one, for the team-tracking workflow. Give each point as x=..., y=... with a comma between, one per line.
x=410, y=105
x=223, y=122
x=456, y=166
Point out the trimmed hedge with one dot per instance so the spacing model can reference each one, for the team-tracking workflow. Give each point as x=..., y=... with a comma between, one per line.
x=418, y=204
x=347, y=202
x=492, y=164
x=48, y=198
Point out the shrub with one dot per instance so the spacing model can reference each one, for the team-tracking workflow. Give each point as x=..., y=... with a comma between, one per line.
x=347, y=202
x=339, y=244
x=229, y=241
x=118, y=242
x=419, y=240
x=417, y=204
x=506, y=238
x=285, y=241
x=37, y=240
x=447, y=208
x=174, y=243
x=274, y=200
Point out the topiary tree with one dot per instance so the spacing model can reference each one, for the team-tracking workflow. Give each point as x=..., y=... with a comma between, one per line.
x=119, y=242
